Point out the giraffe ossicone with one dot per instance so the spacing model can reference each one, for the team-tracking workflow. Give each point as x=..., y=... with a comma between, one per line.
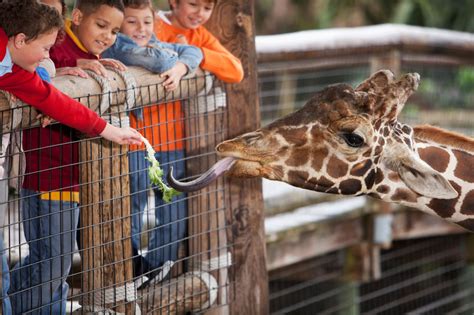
x=349, y=141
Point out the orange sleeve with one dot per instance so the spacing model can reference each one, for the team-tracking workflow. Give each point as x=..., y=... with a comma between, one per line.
x=219, y=61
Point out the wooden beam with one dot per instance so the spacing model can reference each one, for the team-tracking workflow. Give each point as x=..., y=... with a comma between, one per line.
x=106, y=249
x=233, y=24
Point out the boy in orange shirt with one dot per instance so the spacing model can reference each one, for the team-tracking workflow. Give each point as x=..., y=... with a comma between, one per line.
x=184, y=24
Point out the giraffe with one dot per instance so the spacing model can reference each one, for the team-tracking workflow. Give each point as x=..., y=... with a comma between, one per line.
x=348, y=141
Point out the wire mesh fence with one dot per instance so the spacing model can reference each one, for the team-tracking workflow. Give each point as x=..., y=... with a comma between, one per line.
x=84, y=230
x=422, y=276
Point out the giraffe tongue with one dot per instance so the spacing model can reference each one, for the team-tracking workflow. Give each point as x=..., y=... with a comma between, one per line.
x=205, y=179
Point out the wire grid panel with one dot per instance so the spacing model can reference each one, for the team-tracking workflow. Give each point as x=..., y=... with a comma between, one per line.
x=419, y=276
x=84, y=230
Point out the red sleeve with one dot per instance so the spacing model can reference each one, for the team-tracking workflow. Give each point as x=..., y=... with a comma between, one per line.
x=32, y=90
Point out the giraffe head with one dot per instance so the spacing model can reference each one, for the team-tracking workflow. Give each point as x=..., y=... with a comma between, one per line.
x=343, y=141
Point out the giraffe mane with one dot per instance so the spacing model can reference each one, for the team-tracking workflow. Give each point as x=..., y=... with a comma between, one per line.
x=441, y=136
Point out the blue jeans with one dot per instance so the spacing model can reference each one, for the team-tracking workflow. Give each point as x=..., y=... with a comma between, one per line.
x=170, y=219
x=38, y=281
x=6, y=306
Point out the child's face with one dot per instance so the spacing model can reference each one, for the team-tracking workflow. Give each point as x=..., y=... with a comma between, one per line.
x=97, y=31
x=190, y=14
x=138, y=25
x=29, y=54
x=55, y=4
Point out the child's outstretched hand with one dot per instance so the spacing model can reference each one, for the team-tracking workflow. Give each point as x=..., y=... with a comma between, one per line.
x=121, y=135
x=173, y=76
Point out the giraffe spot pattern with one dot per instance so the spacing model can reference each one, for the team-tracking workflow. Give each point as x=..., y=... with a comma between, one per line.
x=465, y=169
x=383, y=189
x=445, y=208
x=298, y=157
x=394, y=177
x=468, y=204
x=295, y=136
x=350, y=186
x=298, y=178
x=324, y=182
x=318, y=157
x=361, y=168
x=438, y=159
x=337, y=168
x=370, y=179
x=404, y=194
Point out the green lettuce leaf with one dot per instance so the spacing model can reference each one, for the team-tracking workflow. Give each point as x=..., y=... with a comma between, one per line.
x=156, y=174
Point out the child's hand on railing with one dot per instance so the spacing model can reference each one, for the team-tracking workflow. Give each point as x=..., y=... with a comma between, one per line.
x=75, y=71
x=173, y=76
x=98, y=66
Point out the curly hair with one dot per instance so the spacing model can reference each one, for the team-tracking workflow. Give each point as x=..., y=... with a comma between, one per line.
x=28, y=17
x=90, y=6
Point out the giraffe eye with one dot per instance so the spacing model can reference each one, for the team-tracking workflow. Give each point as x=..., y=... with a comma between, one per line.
x=353, y=140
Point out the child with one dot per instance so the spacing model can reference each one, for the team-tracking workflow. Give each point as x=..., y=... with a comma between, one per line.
x=184, y=23
x=162, y=125
x=27, y=32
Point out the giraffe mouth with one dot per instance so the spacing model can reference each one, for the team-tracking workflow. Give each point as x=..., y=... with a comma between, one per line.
x=218, y=169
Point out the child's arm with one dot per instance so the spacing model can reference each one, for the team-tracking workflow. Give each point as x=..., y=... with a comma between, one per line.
x=157, y=57
x=32, y=90
x=219, y=61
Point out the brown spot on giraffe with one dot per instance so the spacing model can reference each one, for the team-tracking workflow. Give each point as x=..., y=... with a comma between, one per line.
x=337, y=168
x=394, y=177
x=468, y=204
x=370, y=179
x=361, y=168
x=323, y=181
x=383, y=189
x=378, y=176
x=299, y=177
x=317, y=158
x=435, y=157
x=295, y=136
x=404, y=194
x=445, y=207
x=464, y=170
x=298, y=157
x=350, y=186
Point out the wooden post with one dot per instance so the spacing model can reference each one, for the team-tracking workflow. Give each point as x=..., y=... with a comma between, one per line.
x=232, y=23
x=105, y=227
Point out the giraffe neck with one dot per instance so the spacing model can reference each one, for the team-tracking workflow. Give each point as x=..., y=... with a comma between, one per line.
x=452, y=156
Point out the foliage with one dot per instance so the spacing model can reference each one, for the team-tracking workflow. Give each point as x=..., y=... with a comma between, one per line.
x=295, y=15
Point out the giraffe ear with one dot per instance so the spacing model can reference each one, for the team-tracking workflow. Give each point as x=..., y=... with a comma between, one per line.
x=421, y=178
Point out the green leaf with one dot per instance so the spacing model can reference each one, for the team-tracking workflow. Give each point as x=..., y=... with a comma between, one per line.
x=155, y=172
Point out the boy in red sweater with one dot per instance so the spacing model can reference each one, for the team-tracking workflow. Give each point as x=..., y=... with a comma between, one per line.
x=27, y=31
